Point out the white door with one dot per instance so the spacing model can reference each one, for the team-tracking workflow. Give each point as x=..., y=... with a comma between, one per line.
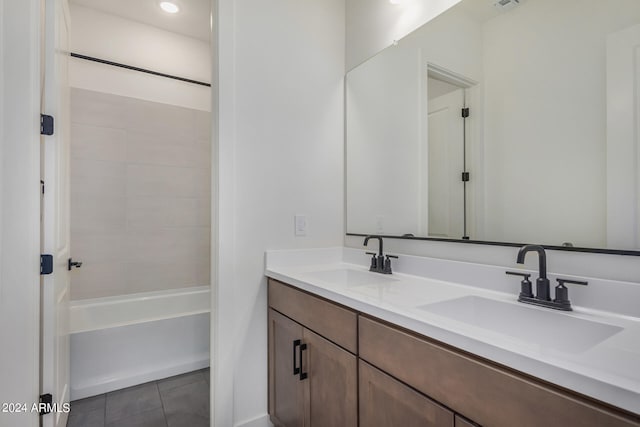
x=623, y=142
x=55, y=213
x=446, y=151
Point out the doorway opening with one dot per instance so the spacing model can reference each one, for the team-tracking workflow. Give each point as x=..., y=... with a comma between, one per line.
x=448, y=175
x=127, y=179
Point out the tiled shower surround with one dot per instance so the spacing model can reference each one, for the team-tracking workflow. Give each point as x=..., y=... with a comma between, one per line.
x=140, y=195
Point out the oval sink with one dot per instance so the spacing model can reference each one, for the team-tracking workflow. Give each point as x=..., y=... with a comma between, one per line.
x=543, y=327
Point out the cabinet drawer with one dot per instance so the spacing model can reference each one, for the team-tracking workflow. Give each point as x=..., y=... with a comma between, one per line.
x=333, y=322
x=386, y=402
x=480, y=391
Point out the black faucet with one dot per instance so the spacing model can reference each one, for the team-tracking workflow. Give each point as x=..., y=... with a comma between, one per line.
x=378, y=263
x=542, y=284
x=542, y=297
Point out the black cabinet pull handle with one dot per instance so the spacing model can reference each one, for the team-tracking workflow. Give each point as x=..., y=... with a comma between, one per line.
x=296, y=369
x=303, y=375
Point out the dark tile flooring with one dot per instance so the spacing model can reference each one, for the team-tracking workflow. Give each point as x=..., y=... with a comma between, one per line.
x=177, y=401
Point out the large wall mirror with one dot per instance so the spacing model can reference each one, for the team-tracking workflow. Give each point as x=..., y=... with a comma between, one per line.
x=502, y=121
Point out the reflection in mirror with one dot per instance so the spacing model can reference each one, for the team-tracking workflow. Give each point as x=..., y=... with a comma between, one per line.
x=548, y=151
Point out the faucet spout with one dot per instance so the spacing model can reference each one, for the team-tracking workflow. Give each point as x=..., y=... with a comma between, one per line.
x=542, y=258
x=542, y=284
x=366, y=242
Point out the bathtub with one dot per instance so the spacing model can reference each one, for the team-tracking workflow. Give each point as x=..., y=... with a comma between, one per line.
x=121, y=341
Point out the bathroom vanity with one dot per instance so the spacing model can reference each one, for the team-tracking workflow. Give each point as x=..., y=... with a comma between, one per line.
x=349, y=347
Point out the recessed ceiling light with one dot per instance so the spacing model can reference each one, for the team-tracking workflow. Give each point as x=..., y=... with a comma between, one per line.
x=394, y=1
x=169, y=7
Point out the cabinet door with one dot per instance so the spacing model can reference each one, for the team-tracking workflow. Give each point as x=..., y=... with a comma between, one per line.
x=286, y=391
x=332, y=385
x=385, y=402
x=463, y=422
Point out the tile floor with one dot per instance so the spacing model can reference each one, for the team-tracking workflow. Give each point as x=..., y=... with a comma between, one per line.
x=180, y=401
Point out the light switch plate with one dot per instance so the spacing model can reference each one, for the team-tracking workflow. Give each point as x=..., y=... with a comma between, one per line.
x=300, y=225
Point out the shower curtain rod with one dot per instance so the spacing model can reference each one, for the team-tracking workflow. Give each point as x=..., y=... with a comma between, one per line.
x=142, y=70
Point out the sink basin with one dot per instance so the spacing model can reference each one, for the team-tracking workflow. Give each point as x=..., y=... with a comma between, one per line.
x=348, y=277
x=546, y=328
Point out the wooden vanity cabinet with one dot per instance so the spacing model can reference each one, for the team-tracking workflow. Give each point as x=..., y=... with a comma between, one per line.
x=461, y=422
x=386, y=402
x=367, y=372
x=482, y=391
x=323, y=392
x=288, y=408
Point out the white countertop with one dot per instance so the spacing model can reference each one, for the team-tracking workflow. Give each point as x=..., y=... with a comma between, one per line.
x=608, y=371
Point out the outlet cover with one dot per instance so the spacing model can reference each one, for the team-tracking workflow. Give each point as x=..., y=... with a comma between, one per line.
x=300, y=225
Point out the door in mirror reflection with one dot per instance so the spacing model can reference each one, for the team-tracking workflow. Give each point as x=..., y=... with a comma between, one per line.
x=445, y=160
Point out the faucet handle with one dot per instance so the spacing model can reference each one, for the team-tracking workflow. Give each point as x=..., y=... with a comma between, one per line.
x=387, y=264
x=573, y=282
x=525, y=286
x=515, y=273
x=562, y=293
x=374, y=261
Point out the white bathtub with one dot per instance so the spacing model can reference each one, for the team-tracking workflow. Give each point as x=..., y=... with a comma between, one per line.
x=121, y=341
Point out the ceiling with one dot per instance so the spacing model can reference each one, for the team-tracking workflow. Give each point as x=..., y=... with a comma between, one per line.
x=193, y=20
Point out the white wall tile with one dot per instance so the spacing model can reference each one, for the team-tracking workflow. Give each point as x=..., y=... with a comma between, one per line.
x=168, y=212
x=203, y=125
x=161, y=119
x=167, y=244
x=162, y=181
x=95, y=280
x=91, y=248
x=153, y=276
x=140, y=195
x=94, y=177
x=95, y=142
x=97, y=214
x=152, y=149
x=98, y=109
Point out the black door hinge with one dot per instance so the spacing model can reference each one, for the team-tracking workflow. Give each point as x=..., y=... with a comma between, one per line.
x=46, y=264
x=46, y=402
x=465, y=112
x=46, y=124
x=42, y=186
x=465, y=176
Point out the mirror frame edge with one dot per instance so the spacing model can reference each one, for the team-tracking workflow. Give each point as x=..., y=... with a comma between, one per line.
x=624, y=252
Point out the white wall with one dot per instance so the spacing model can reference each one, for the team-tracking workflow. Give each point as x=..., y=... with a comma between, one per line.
x=280, y=153
x=594, y=265
x=387, y=124
x=373, y=25
x=384, y=153
x=116, y=39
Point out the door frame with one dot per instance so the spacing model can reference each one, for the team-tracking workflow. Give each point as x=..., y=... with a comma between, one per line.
x=474, y=143
x=20, y=84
